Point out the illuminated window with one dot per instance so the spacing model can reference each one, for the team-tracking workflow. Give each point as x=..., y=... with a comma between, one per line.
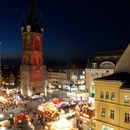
x=82, y=77
x=94, y=65
x=102, y=94
x=112, y=114
x=107, y=95
x=126, y=100
x=112, y=96
x=107, y=65
x=106, y=128
x=103, y=112
x=83, y=72
x=127, y=118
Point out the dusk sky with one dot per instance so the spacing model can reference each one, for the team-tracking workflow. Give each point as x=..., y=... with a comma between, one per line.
x=74, y=29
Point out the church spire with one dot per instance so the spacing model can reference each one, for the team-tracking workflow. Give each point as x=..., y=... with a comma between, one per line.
x=32, y=23
x=32, y=16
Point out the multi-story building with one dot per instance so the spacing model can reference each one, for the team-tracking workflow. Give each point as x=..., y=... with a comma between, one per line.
x=101, y=65
x=112, y=94
x=76, y=75
x=8, y=78
x=57, y=78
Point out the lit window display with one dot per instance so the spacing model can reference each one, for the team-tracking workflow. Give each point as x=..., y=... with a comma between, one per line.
x=106, y=128
x=82, y=77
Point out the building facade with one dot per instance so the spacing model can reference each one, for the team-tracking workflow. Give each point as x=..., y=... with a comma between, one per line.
x=32, y=69
x=8, y=78
x=76, y=76
x=101, y=65
x=113, y=97
x=57, y=79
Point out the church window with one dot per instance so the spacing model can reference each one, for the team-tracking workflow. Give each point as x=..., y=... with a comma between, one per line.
x=39, y=60
x=37, y=43
x=35, y=61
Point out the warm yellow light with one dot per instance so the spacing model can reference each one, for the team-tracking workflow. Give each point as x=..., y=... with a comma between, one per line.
x=62, y=124
x=8, y=91
x=3, y=82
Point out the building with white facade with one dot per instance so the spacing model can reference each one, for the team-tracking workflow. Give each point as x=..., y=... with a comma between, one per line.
x=76, y=76
x=57, y=78
x=102, y=64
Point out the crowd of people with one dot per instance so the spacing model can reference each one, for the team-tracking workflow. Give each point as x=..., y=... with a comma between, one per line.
x=9, y=105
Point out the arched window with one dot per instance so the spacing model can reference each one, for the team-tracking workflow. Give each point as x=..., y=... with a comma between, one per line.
x=35, y=61
x=37, y=43
x=39, y=60
x=107, y=65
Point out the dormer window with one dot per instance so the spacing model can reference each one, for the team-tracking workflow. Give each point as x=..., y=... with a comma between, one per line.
x=94, y=65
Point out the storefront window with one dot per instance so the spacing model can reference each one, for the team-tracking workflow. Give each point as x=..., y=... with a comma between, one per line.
x=106, y=128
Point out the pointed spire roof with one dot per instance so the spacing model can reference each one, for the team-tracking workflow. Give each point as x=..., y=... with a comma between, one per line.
x=123, y=65
x=32, y=15
x=32, y=19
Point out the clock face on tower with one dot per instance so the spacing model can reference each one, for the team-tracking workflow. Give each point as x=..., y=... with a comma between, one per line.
x=36, y=42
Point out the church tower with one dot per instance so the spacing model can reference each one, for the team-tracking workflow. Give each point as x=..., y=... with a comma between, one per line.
x=32, y=69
